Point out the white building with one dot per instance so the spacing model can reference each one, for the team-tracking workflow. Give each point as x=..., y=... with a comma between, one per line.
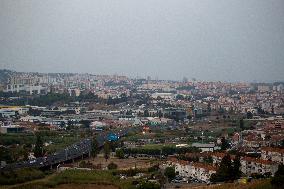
x=165, y=96
x=273, y=154
x=205, y=147
x=199, y=171
x=31, y=89
x=251, y=166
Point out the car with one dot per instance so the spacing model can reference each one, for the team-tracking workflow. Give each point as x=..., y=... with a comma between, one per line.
x=32, y=161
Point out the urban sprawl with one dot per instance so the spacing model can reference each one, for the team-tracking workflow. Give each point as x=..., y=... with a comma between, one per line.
x=64, y=120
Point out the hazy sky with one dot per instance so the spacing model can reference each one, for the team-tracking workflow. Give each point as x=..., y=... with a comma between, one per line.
x=231, y=40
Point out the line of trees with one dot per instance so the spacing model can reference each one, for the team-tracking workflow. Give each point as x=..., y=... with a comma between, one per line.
x=38, y=150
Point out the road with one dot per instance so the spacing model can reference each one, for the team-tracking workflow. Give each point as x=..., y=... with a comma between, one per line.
x=72, y=152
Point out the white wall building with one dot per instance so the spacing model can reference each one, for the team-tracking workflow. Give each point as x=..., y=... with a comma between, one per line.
x=251, y=166
x=199, y=171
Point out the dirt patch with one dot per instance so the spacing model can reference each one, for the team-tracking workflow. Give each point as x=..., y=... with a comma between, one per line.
x=123, y=163
x=85, y=186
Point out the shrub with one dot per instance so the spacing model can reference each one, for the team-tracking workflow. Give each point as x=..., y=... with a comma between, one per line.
x=84, y=164
x=149, y=185
x=153, y=168
x=119, y=153
x=170, y=173
x=112, y=166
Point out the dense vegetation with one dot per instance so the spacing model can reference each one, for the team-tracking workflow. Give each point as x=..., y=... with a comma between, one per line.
x=15, y=147
x=278, y=180
x=148, y=185
x=227, y=170
x=112, y=166
x=170, y=173
x=49, y=99
x=19, y=176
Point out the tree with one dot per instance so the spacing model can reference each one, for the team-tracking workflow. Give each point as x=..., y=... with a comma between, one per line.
x=86, y=123
x=272, y=109
x=70, y=123
x=159, y=98
x=119, y=153
x=62, y=124
x=224, y=144
x=242, y=126
x=282, y=143
x=168, y=150
x=278, y=180
x=149, y=185
x=249, y=115
x=236, y=167
x=160, y=114
x=106, y=150
x=267, y=137
x=179, y=97
x=38, y=150
x=170, y=173
x=225, y=171
x=208, y=160
x=113, y=145
x=146, y=113
x=95, y=148
x=112, y=166
x=5, y=154
x=128, y=112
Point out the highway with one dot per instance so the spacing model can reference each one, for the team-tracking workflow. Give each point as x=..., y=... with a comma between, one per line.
x=72, y=152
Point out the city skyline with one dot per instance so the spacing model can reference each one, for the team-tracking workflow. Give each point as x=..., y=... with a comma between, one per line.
x=183, y=79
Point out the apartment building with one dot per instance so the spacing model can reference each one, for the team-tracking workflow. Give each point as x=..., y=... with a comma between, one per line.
x=193, y=170
x=251, y=166
x=273, y=154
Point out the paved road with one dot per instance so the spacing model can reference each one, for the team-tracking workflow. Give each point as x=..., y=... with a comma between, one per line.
x=71, y=152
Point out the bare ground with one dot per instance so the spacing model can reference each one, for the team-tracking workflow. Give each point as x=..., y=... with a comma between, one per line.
x=123, y=163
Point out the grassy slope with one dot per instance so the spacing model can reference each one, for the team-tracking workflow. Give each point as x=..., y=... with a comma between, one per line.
x=76, y=177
